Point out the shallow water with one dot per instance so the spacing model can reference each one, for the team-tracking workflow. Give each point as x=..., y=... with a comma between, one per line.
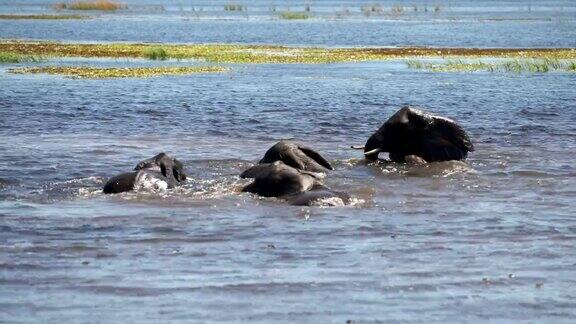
x=493, y=239
x=470, y=23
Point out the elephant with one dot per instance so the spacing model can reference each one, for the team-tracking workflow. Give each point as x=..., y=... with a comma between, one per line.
x=297, y=156
x=299, y=187
x=159, y=172
x=417, y=137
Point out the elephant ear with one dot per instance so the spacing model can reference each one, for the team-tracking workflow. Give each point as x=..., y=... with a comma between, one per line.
x=167, y=167
x=454, y=133
x=290, y=158
x=178, y=171
x=446, y=141
x=316, y=157
x=152, y=163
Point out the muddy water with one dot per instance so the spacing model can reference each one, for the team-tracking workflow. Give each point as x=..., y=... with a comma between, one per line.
x=493, y=239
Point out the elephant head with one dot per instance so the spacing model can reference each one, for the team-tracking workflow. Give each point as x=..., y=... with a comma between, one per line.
x=169, y=167
x=412, y=132
x=160, y=172
x=278, y=179
x=297, y=156
x=298, y=187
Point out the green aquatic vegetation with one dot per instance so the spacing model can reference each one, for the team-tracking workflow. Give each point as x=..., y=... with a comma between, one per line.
x=105, y=5
x=291, y=15
x=257, y=54
x=156, y=53
x=233, y=7
x=511, y=66
x=414, y=64
x=104, y=73
x=9, y=57
x=43, y=16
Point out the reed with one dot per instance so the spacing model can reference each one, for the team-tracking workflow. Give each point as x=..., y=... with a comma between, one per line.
x=105, y=5
x=156, y=53
x=9, y=57
x=511, y=66
x=105, y=73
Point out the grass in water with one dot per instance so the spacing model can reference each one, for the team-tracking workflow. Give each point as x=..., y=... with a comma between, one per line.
x=104, y=73
x=8, y=57
x=156, y=53
x=233, y=7
x=43, y=16
x=106, y=5
x=249, y=54
x=514, y=65
x=290, y=15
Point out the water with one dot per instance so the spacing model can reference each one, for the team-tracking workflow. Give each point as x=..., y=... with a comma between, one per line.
x=493, y=239
x=333, y=23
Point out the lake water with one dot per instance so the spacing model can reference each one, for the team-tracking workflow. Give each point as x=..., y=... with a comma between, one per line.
x=490, y=240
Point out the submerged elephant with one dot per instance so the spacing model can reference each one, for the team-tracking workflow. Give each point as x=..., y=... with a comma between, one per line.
x=299, y=187
x=159, y=172
x=416, y=137
x=297, y=156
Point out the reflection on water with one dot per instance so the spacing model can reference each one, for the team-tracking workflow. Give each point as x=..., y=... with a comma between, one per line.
x=491, y=239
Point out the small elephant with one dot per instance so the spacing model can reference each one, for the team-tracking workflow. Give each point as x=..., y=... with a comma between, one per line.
x=414, y=136
x=297, y=156
x=299, y=187
x=159, y=172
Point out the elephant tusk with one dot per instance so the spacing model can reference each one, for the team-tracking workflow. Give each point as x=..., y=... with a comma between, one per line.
x=356, y=147
x=374, y=151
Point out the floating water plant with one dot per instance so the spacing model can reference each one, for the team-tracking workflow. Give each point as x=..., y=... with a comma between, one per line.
x=513, y=65
x=290, y=15
x=105, y=5
x=43, y=16
x=273, y=54
x=8, y=57
x=156, y=53
x=103, y=73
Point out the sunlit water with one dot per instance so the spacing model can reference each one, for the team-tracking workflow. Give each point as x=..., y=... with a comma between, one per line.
x=493, y=239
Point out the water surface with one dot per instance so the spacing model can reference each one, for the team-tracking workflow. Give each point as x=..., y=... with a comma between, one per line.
x=493, y=239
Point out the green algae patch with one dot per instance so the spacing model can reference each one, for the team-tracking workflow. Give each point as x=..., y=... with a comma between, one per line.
x=510, y=66
x=10, y=57
x=254, y=54
x=105, y=73
x=43, y=17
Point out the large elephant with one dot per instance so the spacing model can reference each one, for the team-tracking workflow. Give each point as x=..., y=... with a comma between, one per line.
x=299, y=187
x=414, y=136
x=159, y=172
x=297, y=156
